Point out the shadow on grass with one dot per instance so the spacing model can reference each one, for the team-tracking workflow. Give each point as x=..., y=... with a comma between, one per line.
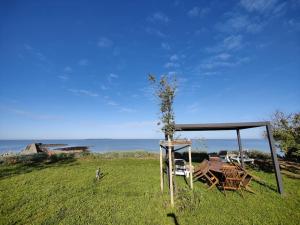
x=265, y=184
x=22, y=164
x=173, y=216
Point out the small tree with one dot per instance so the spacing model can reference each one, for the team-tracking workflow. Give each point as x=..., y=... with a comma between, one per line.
x=165, y=90
x=286, y=131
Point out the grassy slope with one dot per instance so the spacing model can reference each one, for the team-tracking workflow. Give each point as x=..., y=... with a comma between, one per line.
x=129, y=193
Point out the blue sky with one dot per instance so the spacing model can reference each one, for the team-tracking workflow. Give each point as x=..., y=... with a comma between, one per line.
x=78, y=69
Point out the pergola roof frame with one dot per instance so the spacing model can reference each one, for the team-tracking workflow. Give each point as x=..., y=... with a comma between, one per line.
x=219, y=126
x=238, y=127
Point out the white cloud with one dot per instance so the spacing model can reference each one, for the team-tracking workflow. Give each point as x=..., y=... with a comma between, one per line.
x=158, y=17
x=229, y=43
x=195, y=107
x=31, y=115
x=171, y=65
x=83, y=62
x=213, y=63
x=196, y=11
x=233, y=42
x=103, y=87
x=258, y=5
x=112, y=77
x=165, y=46
x=293, y=24
x=41, y=56
x=172, y=73
x=28, y=47
x=68, y=69
x=112, y=103
x=223, y=56
x=216, y=64
x=105, y=42
x=174, y=57
x=36, y=53
x=63, y=77
x=83, y=92
x=155, y=32
x=279, y=9
x=127, y=110
x=237, y=23
x=117, y=105
x=259, y=13
x=210, y=73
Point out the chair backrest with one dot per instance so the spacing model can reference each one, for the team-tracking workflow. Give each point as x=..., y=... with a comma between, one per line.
x=246, y=179
x=232, y=177
x=202, y=167
x=230, y=171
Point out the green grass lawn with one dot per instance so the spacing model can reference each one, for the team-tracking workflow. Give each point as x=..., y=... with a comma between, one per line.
x=65, y=192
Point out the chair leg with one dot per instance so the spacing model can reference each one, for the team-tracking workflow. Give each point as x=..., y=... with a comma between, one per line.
x=213, y=181
x=224, y=191
x=212, y=185
x=247, y=188
x=241, y=191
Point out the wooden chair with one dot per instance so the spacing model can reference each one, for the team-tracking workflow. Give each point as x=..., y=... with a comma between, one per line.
x=246, y=177
x=232, y=179
x=215, y=158
x=202, y=172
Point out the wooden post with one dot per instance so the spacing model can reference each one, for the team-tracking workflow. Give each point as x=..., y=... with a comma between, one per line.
x=191, y=168
x=170, y=172
x=161, y=169
x=173, y=166
x=240, y=148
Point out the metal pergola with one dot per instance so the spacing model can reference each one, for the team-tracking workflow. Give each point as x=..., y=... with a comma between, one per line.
x=238, y=127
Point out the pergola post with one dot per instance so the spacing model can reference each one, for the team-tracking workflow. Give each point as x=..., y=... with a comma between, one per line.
x=191, y=168
x=274, y=158
x=161, y=169
x=240, y=147
x=170, y=172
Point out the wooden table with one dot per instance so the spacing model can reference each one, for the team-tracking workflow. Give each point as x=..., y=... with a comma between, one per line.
x=216, y=166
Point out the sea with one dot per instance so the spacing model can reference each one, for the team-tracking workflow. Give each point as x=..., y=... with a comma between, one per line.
x=151, y=145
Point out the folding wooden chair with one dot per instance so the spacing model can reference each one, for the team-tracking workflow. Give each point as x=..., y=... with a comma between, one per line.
x=202, y=172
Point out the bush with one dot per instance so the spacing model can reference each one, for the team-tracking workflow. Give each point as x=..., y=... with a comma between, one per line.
x=286, y=131
x=259, y=155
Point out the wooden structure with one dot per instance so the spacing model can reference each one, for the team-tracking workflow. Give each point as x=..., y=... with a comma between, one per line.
x=45, y=148
x=171, y=146
x=237, y=127
x=232, y=178
x=202, y=171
